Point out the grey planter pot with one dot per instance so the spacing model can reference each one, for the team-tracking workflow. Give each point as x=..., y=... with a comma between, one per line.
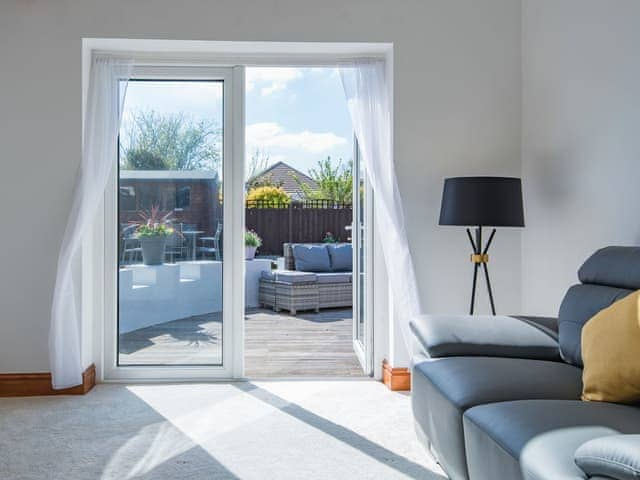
x=250, y=252
x=153, y=249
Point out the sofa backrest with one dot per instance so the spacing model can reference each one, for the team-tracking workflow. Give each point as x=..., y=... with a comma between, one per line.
x=608, y=275
x=340, y=256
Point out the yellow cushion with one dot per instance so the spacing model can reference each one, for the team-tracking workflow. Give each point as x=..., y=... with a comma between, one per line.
x=611, y=353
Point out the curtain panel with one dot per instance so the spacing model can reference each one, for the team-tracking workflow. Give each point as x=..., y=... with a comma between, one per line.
x=367, y=93
x=107, y=88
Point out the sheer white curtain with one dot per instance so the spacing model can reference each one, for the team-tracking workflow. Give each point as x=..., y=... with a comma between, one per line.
x=367, y=94
x=107, y=85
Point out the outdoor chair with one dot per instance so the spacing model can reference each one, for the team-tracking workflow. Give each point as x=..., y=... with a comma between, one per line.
x=175, y=246
x=211, y=245
x=131, y=249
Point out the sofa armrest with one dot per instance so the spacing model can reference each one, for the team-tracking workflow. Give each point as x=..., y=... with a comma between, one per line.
x=614, y=456
x=484, y=335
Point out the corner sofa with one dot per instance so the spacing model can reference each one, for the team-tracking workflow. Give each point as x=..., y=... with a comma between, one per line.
x=500, y=397
x=316, y=275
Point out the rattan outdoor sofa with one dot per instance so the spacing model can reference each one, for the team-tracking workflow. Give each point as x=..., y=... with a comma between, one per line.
x=297, y=289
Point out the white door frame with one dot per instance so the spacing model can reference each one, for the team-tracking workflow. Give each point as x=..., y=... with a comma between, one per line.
x=363, y=348
x=233, y=260
x=96, y=282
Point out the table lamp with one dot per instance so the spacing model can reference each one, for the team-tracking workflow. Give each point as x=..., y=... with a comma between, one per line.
x=482, y=202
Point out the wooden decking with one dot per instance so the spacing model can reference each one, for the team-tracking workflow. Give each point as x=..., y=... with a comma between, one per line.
x=276, y=344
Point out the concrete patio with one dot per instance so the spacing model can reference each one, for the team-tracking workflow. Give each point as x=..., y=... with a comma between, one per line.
x=276, y=344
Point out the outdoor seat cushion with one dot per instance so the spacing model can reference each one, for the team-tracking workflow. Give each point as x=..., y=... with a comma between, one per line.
x=444, y=388
x=496, y=434
x=486, y=335
x=334, y=277
x=341, y=255
x=311, y=258
x=290, y=276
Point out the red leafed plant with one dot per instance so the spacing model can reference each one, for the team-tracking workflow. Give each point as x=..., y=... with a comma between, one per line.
x=153, y=223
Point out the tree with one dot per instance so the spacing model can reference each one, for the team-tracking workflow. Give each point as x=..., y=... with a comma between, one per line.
x=258, y=163
x=267, y=197
x=170, y=142
x=335, y=182
x=145, y=160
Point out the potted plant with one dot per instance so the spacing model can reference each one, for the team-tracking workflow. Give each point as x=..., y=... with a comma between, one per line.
x=152, y=232
x=329, y=238
x=251, y=243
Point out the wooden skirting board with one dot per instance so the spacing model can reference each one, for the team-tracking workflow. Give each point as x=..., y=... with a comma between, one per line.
x=397, y=379
x=30, y=384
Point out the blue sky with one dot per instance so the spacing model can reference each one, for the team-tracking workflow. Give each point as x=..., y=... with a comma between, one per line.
x=295, y=115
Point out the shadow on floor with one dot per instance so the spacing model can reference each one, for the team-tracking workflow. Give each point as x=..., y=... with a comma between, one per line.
x=351, y=438
x=110, y=434
x=196, y=331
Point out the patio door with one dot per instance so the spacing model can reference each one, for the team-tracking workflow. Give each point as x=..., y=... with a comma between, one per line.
x=362, y=264
x=174, y=227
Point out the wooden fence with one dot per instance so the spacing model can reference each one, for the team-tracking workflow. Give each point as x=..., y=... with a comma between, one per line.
x=304, y=221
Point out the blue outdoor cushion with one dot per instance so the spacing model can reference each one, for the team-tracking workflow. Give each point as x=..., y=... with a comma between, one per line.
x=334, y=277
x=341, y=257
x=289, y=276
x=311, y=258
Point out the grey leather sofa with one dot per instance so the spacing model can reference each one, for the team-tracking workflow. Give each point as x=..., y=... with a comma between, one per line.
x=499, y=397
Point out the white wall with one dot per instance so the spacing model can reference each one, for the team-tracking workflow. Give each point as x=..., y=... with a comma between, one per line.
x=457, y=111
x=581, y=146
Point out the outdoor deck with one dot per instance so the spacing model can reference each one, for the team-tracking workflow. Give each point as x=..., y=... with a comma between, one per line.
x=276, y=344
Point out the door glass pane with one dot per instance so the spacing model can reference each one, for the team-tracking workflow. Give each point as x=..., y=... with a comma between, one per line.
x=360, y=201
x=170, y=224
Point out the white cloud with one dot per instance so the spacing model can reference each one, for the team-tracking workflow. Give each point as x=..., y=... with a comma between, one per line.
x=272, y=135
x=271, y=79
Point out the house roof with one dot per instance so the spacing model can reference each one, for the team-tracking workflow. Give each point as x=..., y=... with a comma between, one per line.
x=281, y=173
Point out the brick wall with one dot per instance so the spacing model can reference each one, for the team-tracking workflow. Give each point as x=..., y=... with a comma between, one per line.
x=204, y=209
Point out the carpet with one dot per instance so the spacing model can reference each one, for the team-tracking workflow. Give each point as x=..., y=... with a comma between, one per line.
x=245, y=430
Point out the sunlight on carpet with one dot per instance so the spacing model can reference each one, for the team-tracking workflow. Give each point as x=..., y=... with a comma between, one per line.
x=244, y=430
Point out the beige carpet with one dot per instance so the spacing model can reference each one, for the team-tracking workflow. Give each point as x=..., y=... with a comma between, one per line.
x=264, y=430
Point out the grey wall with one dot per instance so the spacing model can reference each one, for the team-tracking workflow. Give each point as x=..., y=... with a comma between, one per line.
x=581, y=147
x=457, y=111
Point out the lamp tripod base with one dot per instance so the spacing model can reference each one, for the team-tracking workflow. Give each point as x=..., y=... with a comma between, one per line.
x=480, y=258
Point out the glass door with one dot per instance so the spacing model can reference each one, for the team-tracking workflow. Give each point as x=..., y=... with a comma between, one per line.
x=361, y=239
x=175, y=264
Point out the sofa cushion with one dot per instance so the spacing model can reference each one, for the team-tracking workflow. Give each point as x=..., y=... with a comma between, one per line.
x=334, y=277
x=485, y=335
x=580, y=303
x=341, y=255
x=311, y=258
x=444, y=388
x=497, y=433
x=290, y=276
x=613, y=266
x=616, y=456
x=611, y=353
x=550, y=455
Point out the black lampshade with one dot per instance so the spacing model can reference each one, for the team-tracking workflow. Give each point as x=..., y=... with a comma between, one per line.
x=482, y=201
